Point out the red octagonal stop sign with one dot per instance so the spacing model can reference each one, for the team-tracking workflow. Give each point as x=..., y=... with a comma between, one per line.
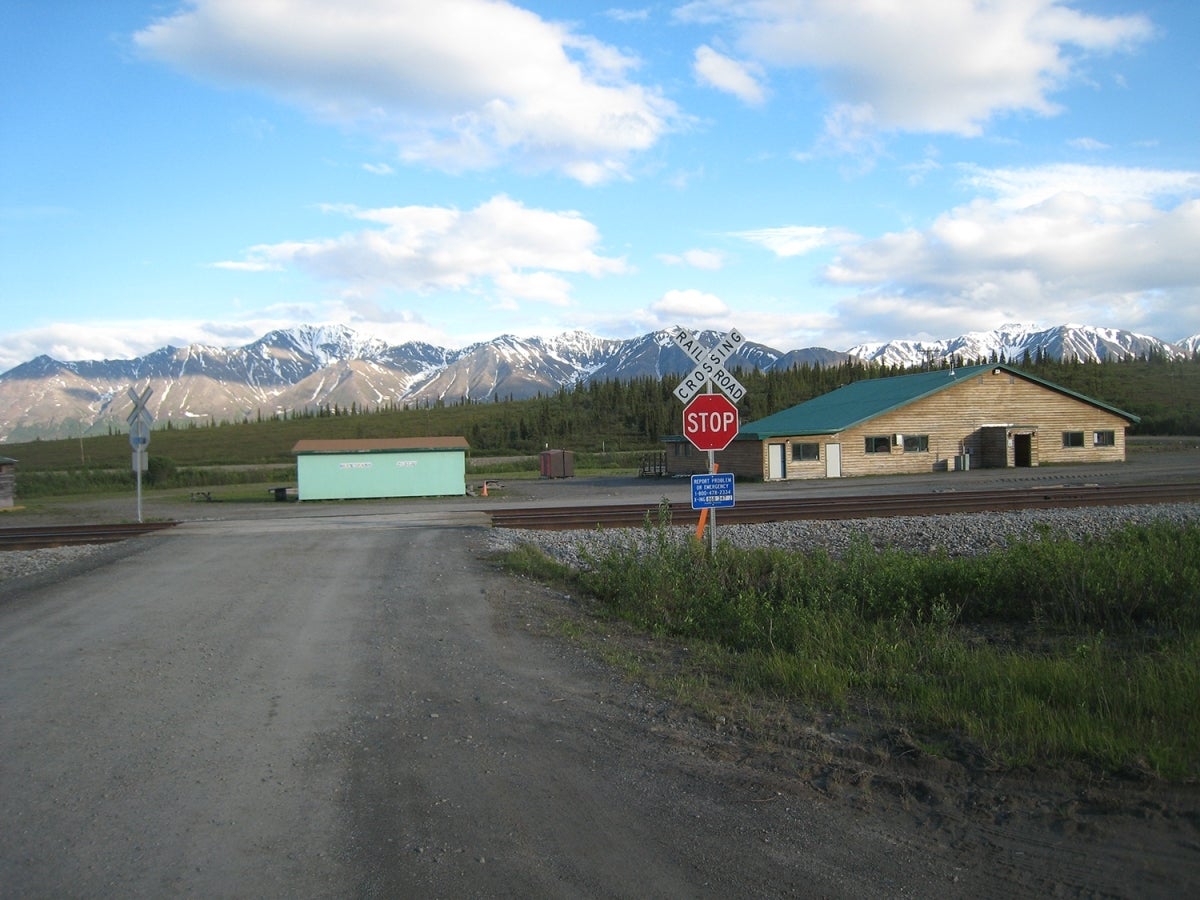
x=710, y=421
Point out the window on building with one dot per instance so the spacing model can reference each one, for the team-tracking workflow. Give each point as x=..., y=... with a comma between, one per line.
x=878, y=443
x=1072, y=438
x=916, y=443
x=1104, y=438
x=806, y=452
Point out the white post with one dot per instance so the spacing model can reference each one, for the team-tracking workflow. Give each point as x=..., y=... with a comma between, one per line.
x=139, y=437
x=138, y=458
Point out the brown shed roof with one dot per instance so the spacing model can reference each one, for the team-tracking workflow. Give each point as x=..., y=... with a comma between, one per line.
x=382, y=445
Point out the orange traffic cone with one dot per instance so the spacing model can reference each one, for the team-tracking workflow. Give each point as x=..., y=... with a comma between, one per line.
x=485, y=489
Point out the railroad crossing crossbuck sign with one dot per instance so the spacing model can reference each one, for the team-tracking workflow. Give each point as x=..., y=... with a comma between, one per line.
x=710, y=365
x=140, y=419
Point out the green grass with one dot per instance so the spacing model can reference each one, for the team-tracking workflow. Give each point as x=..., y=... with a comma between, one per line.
x=1050, y=652
x=160, y=477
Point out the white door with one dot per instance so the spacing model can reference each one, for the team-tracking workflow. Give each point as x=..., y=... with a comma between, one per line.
x=775, y=460
x=833, y=460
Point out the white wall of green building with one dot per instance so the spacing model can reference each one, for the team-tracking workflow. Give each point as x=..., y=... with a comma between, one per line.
x=354, y=476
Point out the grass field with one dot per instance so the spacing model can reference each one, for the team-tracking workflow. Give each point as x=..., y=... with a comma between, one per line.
x=1048, y=653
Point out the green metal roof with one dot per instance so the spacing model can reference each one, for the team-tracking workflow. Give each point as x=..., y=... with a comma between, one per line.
x=864, y=400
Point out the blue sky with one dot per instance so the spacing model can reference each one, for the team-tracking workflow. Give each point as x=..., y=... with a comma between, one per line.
x=812, y=172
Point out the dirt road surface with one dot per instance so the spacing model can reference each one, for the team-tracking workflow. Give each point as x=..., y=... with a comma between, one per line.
x=362, y=706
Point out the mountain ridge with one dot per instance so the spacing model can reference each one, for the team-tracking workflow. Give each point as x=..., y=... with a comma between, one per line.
x=309, y=367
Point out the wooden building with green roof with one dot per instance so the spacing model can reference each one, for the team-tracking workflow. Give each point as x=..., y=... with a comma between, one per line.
x=989, y=416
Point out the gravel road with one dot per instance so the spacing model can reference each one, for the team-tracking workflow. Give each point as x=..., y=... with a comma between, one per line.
x=351, y=707
x=329, y=705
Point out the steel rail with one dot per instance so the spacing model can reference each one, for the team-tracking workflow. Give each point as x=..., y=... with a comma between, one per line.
x=857, y=507
x=43, y=536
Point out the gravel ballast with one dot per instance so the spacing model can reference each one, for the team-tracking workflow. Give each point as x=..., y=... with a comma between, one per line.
x=20, y=563
x=960, y=534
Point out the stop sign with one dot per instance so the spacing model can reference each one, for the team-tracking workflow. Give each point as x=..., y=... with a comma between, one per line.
x=710, y=421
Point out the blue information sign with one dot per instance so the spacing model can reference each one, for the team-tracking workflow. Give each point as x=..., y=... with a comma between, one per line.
x=712, y=491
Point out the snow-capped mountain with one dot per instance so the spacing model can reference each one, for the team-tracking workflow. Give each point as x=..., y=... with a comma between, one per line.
x=312, y=367
x=1189, y=346
x=1085, y=343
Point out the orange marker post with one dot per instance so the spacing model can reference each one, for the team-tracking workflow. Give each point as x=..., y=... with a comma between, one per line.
x=704, y=512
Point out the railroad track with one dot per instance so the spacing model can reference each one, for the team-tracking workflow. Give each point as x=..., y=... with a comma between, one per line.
x=864, y=507
x=63, y=535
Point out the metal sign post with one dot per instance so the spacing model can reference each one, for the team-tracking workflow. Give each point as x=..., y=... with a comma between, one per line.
x=710, y=370
x=139, y=421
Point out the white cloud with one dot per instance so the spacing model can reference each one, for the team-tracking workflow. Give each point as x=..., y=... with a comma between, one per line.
x=119, y=339
x=742, y=79
x=775, y=326
x=690, y=305
x=457, y=84
x=626, y=16
x=543, y=287
x=1097, y=250
x=709, y=260
x=946, y=66
x=852, y=129
x=918, y=171
x=1019, y=188
x=64, y=341
x=796, y=240
x=500, y=246
x=1087, y=143
x=261, y=265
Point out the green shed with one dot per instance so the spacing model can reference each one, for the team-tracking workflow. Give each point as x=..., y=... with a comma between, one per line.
x=386, y=467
